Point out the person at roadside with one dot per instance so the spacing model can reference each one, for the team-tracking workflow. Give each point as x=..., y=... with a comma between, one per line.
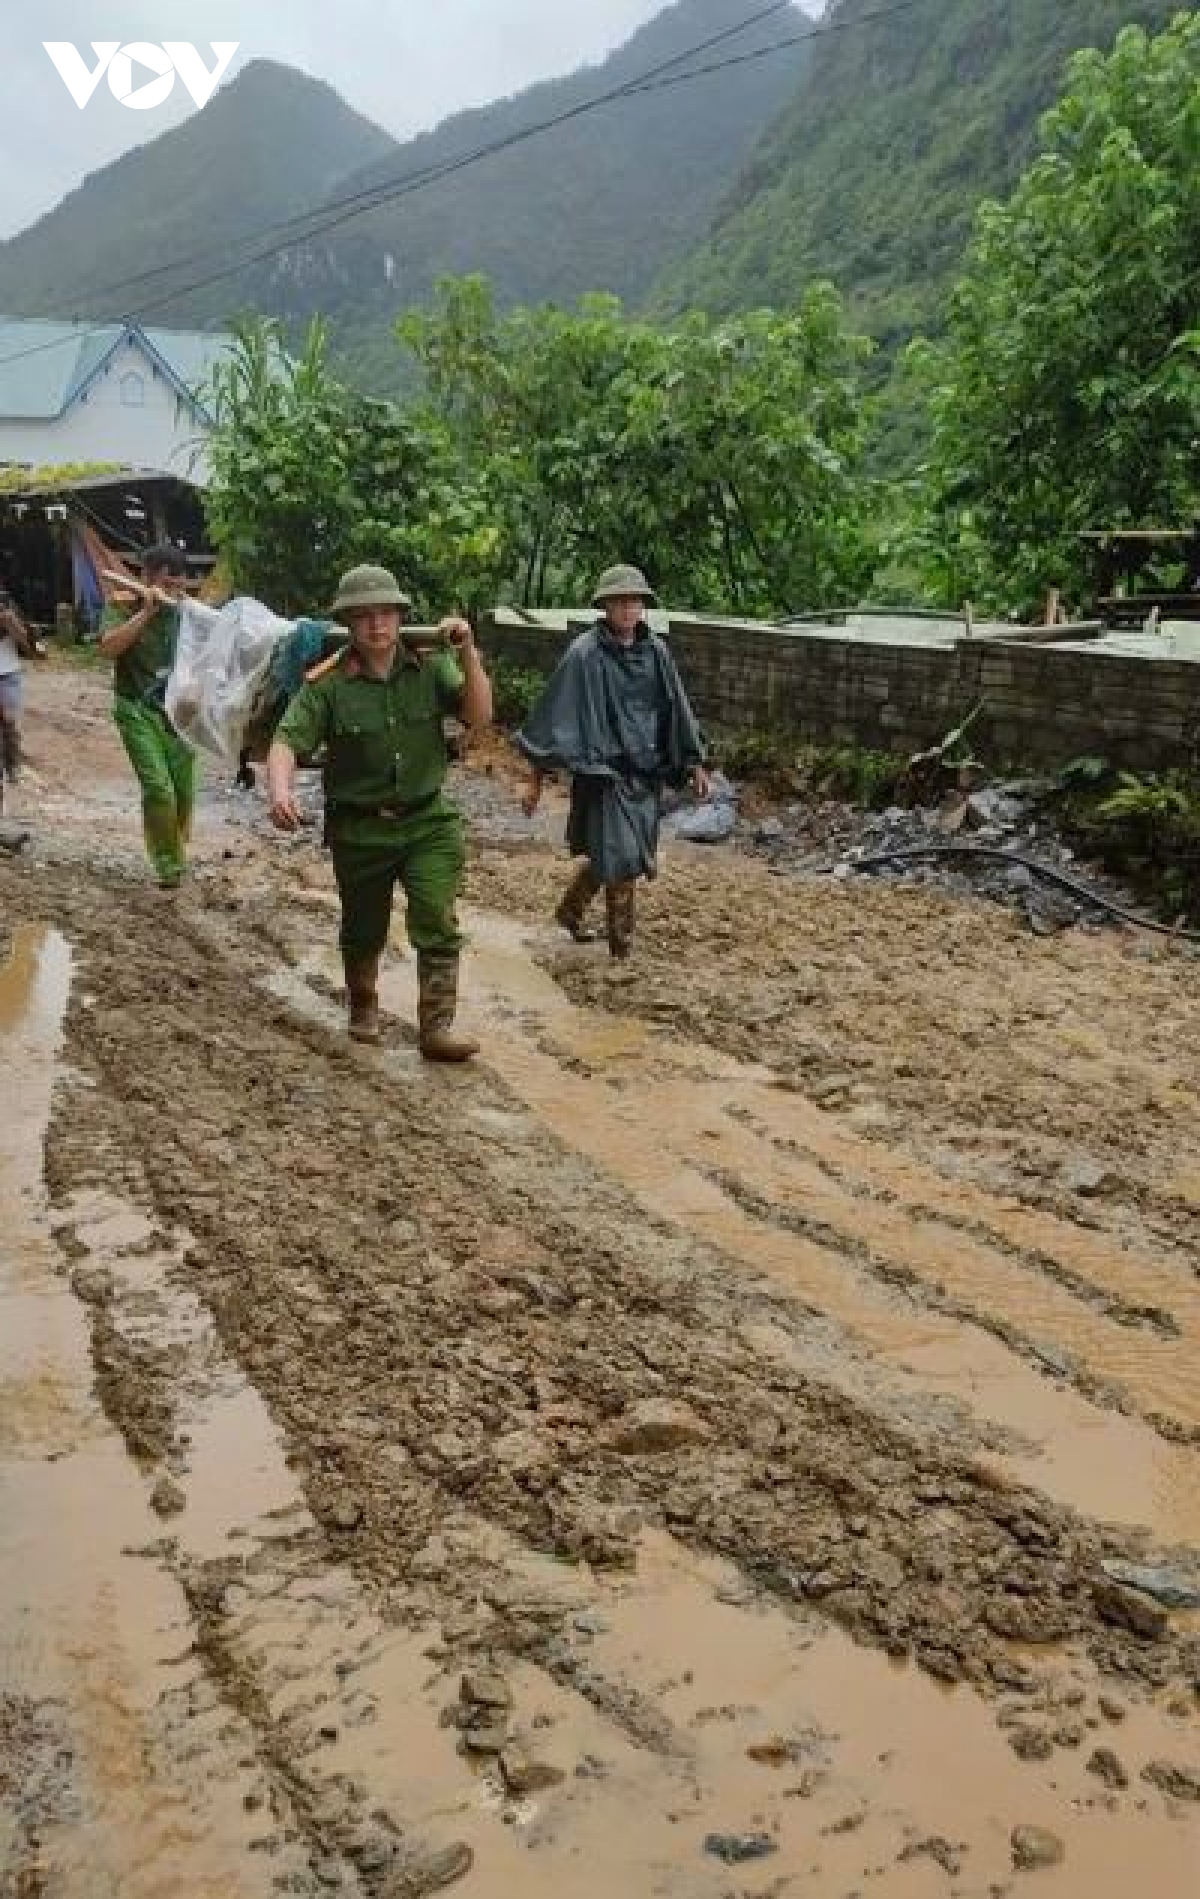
x=142, y=647
x=615, y=716
x=378, y=718
x=16, y=643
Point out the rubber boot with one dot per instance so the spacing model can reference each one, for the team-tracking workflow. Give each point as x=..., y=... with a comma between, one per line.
x=573, y=908
x=436, y=1008
x=619, y=908
x=362, y=979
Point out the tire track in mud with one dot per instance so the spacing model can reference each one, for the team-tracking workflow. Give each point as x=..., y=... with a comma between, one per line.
x=444, y=1316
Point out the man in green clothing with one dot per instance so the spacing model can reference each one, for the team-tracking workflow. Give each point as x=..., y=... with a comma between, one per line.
x=378, y=717
x=143, y=647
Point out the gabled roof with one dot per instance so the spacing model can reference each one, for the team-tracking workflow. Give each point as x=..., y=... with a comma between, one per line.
x=45, y=365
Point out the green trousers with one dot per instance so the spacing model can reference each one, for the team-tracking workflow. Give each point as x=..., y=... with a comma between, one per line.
x=424, y=853
x=166, y=772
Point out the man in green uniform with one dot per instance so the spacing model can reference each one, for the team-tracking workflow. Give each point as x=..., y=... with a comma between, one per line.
x=143, y=647
x=378, y=717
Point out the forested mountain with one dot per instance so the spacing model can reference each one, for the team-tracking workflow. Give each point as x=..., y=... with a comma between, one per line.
x=604, y=202
x=899, y=126
x=268, y=146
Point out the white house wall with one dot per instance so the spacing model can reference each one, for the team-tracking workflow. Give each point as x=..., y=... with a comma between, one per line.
x=105, y=425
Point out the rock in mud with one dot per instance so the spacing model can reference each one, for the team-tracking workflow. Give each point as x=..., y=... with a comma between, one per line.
x=1035, y=1847
x=167, y=1498
x=95, y=1285
x=1129, y=1609
x=738, y=1849
x=523, y=1776
x=656, y=1426
x=1180, y=1783
x=490, y=1737
x=429, y=1872
x=485, y=1688
x=1174, y=1588
x=1107, y=1767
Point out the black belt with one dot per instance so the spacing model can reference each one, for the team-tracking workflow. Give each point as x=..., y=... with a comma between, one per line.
x=394, y=811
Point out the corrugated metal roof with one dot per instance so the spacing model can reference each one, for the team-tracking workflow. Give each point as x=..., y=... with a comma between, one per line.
x=45, y=365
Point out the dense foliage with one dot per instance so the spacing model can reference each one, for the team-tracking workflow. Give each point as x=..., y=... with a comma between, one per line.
x=309, y=477
x=1068, y=389
x=723, y=458
x=898, y=128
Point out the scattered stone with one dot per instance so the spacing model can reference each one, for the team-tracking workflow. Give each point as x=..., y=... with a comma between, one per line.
x=1034, y=1847
x=1111, y=1709
x=1180, y=1783
x=487, y=1738
x=769, y=830
x=1129, y=1609
x=344, y=1515
x=95, y=1285
x=738, y=1849
x=523, y=1776
x=774, y=1753
x=939, y=1850
x=167, y=1498
x=1107, y=1767
x=1086, y=1177
x=1031, y=1744
x=485, y=1688
x=1174, y=1588
x=430, y=1871
x=656, y=1426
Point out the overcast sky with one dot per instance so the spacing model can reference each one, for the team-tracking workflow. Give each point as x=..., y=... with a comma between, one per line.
x=404, y=63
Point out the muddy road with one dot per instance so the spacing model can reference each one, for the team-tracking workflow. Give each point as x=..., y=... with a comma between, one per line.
x=704, y=1449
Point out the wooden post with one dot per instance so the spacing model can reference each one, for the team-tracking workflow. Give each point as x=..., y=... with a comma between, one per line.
x=968, y=619
x=1051, y=615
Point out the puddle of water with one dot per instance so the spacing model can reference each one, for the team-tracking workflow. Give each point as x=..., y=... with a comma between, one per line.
x=83, y=1625
x=869, y=1731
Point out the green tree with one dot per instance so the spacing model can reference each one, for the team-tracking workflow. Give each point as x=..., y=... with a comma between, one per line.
x=722, y=457
x=309, y=477
x=1067, y=394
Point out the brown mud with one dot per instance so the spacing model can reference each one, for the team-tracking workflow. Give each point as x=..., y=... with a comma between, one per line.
x=696, y=1431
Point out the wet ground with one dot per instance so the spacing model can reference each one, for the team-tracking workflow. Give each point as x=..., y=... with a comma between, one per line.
x=680, y=1455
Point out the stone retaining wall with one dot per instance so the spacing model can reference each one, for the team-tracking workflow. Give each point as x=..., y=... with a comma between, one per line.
x=1044, y=703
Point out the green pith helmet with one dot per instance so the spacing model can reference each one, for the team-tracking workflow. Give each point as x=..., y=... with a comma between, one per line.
x=623, y=582
x=368, y=586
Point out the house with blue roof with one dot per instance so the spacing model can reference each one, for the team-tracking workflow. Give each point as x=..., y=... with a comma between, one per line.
x=106, y=392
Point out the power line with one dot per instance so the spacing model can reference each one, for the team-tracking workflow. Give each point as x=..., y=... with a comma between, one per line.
x=332, y=215
x=371, y=195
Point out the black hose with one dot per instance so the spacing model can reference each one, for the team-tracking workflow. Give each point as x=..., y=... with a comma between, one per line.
x=912, y=854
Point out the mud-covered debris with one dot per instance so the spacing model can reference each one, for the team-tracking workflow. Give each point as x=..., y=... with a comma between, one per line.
x=486, y=1737
x=939, y=1850
x=1035, y=1847
x=523, y=1776
x=1087, y=1177
x=777, y=1752
x=1031, y=1744
x=1174, y=1588
x=656, y=1426
x=1112, y=1709
x=1179, y=1783
x=430, y=1871
x=738, y=1849
x=344, y=1515
x=167, y=1499
x=95, y=1285
x=1107, y=1767
x=1127, y=1608
x=486, y=1688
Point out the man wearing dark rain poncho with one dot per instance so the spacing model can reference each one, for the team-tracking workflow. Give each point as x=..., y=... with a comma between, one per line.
x=616, y=717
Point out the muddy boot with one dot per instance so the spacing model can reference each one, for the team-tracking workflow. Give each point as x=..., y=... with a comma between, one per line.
x=571, y=911
x=10, y=752
x=436, y=1008
x=618, y=903
x=361, y=987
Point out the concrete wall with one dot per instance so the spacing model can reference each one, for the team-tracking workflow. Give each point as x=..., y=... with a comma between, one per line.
x=1044, y=704
x=141, y=422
